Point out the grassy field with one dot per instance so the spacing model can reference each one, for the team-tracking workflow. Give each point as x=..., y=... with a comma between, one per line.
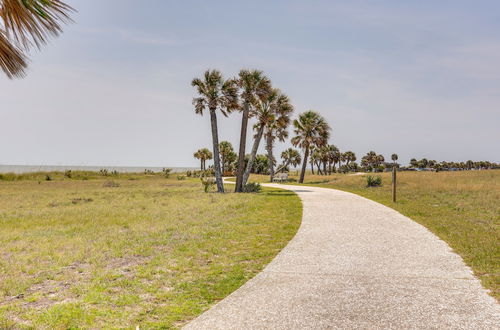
x=462, y=208
x=118, y=252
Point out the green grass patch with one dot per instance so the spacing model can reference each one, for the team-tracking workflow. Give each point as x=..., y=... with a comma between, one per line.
x=146, y=251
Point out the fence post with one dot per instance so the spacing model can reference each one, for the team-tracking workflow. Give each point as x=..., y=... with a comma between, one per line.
x=394, y=184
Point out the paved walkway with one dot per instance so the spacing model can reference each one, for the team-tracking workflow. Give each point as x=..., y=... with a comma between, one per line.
x=356, y=264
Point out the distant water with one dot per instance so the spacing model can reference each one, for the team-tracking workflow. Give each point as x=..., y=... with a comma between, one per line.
x=49, y=168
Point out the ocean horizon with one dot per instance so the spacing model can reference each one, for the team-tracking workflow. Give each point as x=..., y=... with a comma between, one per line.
x=18, y=169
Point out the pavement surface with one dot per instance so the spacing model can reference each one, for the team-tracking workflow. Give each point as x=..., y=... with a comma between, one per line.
x=356, y=264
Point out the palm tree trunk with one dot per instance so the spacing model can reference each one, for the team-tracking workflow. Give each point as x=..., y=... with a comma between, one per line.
x=243, y=142
x=201, y=164
x=255, y=147
x=312, y=168
x=319, y=168
x=324, y=168
x=270, y=158
x=215, y=140
x=282, y=167
x=304, y=165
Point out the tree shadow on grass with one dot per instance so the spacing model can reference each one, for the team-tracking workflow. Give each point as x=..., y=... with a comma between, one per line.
x=284, y=192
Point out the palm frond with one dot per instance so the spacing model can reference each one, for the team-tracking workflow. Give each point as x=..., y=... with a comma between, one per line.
x=27, y=23
x=33, y=22
x=12, y=61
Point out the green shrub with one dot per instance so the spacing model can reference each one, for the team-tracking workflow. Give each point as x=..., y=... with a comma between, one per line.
x=166, y=172
x=110, y=184
x=181, y=177
x=48, y=178
x=68, y=174
x=208, y=183
x=372, y=181
x=252, y=187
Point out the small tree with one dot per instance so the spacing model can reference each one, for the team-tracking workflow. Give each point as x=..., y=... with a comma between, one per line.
x=203, y=155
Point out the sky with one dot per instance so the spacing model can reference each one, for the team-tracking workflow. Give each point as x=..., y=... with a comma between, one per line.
x=416, y=78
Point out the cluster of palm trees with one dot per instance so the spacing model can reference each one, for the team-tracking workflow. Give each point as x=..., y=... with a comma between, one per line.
x=329, y=159
x=252, y=94
x=372, y=161
x=26, y=24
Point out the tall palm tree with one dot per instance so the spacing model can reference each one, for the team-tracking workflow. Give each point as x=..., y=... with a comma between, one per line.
x=277, y=129
x=311, y=129
x=290, y=157
x=254, y=86
x=24, y=24
x=273, y=110
x=267, y=110
x=215, y=94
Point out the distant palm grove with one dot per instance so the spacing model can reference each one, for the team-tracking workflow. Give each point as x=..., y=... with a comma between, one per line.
x=251, y=93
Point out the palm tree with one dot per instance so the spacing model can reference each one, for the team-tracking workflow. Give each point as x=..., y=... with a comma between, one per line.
x=225, y=149
x=215, y=94
x=290, y=157
x=316, y=160
x=203, y=155
x=394, y=158
x=254, y=86
x=335, y=156
x=277, y=129
x=311, y=129
x=273, y=110
x=349, y=157
x=25, y=24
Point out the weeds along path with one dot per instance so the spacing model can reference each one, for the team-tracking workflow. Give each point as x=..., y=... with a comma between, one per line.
x=355, y=263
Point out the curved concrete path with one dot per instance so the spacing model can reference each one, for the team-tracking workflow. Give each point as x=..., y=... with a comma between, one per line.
x=356, y=264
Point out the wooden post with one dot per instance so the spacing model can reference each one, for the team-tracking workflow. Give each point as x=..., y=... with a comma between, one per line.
x=394, y=184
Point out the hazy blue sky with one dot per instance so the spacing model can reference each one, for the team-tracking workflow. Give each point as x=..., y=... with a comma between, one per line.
x=418, y=78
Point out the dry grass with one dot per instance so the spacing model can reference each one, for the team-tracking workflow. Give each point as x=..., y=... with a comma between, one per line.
x=462, y=208
x=150, y=251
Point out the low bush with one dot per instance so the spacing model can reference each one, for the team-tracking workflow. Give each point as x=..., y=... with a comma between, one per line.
x=252, y=187
x=110, y=184
x=208, y=183
x=166, y=172
x=372, y=181
x=181, y=177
